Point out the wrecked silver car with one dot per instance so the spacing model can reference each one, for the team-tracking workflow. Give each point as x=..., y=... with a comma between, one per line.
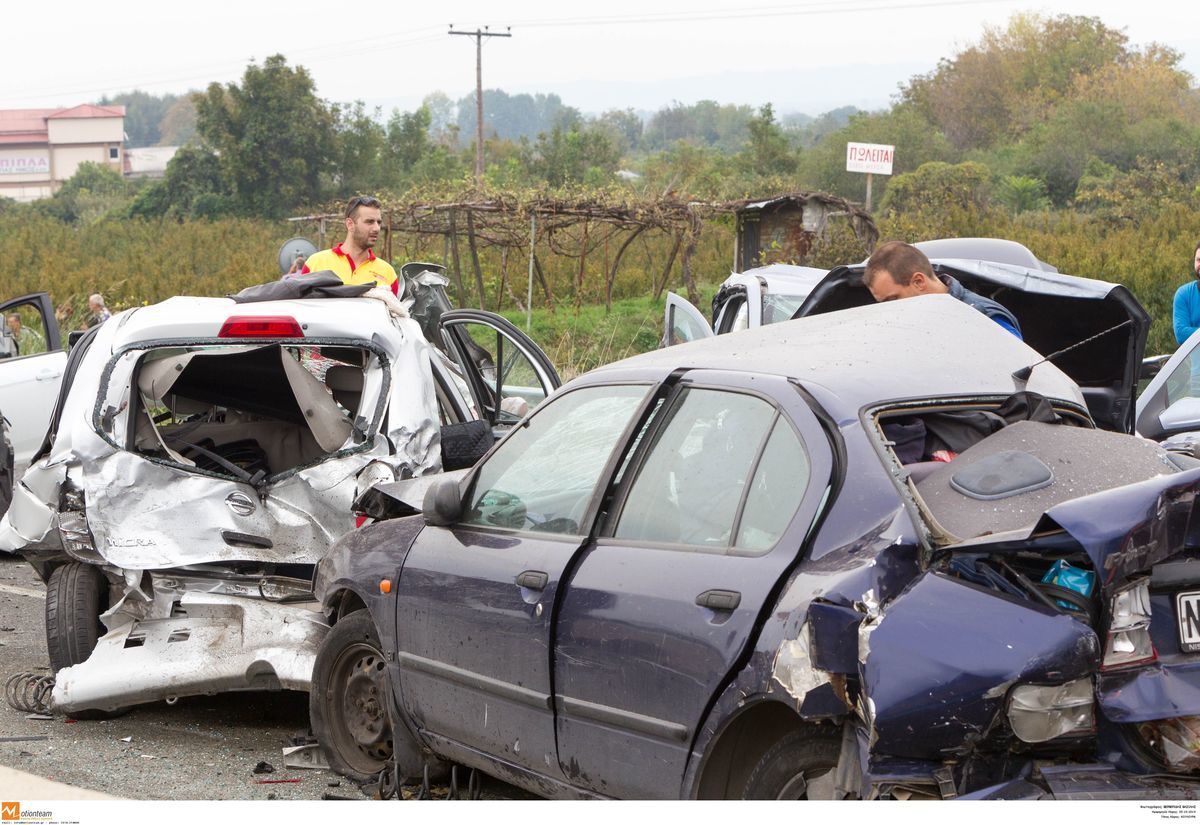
x=204, y=454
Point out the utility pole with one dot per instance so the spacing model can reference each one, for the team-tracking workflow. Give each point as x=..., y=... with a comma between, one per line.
x=479, y=34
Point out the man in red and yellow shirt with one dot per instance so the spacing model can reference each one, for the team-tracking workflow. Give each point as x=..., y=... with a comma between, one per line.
x=353, y=260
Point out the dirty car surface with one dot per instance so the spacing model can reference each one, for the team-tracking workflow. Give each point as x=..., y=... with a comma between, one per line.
x=203, y=456
x=795, y=562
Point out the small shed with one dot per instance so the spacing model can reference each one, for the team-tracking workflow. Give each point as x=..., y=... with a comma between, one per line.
x=783, y=229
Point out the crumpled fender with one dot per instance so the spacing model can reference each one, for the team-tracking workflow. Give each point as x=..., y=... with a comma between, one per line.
x=1129, y=529
x=938, y=662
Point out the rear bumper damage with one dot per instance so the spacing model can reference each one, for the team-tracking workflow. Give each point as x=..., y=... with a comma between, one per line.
x=209, y=643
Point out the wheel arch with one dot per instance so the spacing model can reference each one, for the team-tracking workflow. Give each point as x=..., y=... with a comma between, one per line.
x=735, y=748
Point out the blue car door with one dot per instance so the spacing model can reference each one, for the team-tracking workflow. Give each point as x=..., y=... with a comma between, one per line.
x=475, y=599
x=715, y=505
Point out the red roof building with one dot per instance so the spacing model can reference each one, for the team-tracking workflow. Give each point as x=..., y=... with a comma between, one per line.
x=41, y=148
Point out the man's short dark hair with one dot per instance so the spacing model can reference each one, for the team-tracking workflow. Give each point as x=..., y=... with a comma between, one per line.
x=360, y=200
x=898, y=259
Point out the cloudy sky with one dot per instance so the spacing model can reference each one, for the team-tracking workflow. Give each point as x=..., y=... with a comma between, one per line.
x=807, y=56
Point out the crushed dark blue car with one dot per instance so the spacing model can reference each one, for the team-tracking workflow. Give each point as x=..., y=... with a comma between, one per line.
x=867, y=554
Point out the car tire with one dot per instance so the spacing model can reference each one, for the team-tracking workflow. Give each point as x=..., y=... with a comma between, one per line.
x=350, y=697
x=784, y=770
x=76, y=595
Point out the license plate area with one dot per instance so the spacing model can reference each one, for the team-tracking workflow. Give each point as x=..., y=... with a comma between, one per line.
x=1187, y=611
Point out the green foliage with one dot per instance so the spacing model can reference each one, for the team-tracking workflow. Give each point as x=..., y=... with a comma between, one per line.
x=193, y=187
x=1133, y=196
x=706, y=123
x=767, y=151
x=575, y=154
x=93, y=192
x=511, y=117
x=144, y=114
x=274, y=139
x=940, y=189
x=1020, y=193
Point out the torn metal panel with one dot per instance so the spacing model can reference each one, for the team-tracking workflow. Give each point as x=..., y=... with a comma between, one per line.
x=210, y=643
x=941, y=654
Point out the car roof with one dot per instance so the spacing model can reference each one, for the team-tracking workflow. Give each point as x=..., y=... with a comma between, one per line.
x=928, y=347
x=187, y=317
x=783, y=279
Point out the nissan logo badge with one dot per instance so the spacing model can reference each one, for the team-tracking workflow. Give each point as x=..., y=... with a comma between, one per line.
x=240, y=503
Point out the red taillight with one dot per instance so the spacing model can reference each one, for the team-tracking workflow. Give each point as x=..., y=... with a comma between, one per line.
x=261, y=326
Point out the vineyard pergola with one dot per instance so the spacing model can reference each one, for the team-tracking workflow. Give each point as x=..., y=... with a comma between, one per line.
x=578, y=228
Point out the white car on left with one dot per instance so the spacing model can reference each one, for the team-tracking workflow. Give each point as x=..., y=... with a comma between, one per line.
x=32, y=360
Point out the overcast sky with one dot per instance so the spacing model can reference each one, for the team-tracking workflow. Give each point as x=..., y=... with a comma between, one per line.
x=807, y=56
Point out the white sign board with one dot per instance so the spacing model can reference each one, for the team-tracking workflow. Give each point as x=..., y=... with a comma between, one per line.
x=25, y=165
x=874, y=158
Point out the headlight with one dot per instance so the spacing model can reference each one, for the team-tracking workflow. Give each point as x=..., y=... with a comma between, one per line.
x=1128, y=641
x=1039, y=713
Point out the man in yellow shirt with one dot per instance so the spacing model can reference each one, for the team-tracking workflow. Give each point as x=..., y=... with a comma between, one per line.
x=353, y=260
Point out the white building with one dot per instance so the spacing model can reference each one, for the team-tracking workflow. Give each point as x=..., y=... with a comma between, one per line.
x=41, y=148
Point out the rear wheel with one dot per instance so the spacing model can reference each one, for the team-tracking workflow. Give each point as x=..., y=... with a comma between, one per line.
x=793, y=766
x=76, y=595
x=349, y=700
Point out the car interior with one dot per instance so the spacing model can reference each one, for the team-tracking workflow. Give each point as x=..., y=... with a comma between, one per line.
x=247, y=411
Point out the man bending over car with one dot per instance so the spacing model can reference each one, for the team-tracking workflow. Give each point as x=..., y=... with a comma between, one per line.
x=899, y=270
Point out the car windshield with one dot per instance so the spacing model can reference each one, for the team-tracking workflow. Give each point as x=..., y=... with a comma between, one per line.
x=778, y=308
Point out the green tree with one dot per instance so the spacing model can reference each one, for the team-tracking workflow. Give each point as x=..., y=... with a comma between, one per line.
x=193, y=187
x=94, y=192
x=767, y=151
x=1020, y=194
x=575, y=154
x=143, y=115
x=408, y=137
x=939, y=187
x=361, y=151
x=178, y=124
x=274, y=138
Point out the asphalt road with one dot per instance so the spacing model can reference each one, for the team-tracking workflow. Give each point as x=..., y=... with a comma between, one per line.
x=199, y=748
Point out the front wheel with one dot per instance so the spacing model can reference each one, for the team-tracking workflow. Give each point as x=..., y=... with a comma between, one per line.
x=792, y=765
x=349, y=701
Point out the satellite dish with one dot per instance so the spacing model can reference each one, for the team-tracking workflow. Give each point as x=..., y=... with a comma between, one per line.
x=292, y=248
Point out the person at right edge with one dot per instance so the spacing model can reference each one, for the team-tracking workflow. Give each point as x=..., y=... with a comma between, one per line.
x=1186, y=309
x=898, y=270
x=354, y=260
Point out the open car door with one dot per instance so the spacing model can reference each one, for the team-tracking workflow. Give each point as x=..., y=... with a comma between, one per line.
x=682, y=322
x=507, y=373
x=1170, y=404
x=31, y=367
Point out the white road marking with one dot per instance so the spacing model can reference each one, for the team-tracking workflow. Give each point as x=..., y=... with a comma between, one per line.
x=22, y=591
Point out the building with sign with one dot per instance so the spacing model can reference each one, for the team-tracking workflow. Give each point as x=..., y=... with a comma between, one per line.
x=41, y=148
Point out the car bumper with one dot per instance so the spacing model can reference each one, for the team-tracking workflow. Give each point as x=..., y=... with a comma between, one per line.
x=211, y=643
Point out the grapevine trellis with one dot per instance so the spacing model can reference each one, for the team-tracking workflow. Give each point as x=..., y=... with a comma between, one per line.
x=573, y=228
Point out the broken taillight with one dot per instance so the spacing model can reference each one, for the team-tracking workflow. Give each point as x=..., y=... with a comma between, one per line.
x=1128, y=641
x=261, y=326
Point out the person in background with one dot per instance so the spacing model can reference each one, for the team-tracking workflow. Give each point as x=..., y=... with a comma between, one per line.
x=99, y=311
x=1185, y=313
x=297, y=265
x=354, y=260
x=899, y=270
x=28, y=340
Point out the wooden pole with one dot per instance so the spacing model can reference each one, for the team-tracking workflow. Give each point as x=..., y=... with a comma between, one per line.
x=475, y=258
x=529, y=293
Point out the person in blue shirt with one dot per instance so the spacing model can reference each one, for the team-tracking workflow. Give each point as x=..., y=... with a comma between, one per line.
x=899, y=270
x=1186, y=314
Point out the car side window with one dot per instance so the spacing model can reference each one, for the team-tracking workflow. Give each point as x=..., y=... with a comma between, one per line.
x=704, y=463
x=779, y=482
x=543, y=476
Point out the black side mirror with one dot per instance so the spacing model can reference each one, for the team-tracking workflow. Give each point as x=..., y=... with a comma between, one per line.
x=442, y=505
x=73, y=337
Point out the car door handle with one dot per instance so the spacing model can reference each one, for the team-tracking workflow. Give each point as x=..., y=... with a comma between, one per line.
x=719, y=599
x=47, y=375
x=533, y=579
